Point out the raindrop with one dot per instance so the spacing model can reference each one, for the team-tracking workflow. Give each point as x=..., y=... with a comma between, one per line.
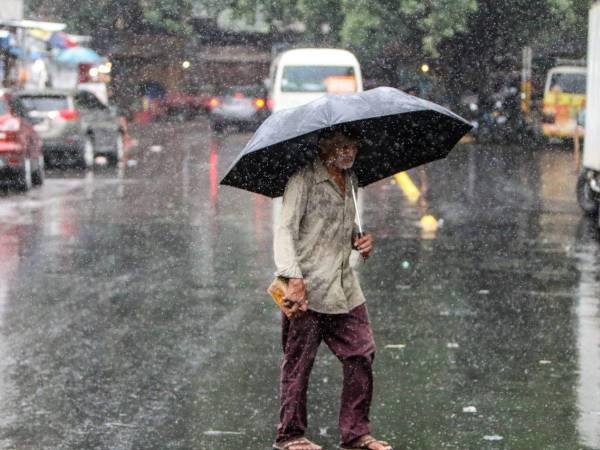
x=222, y=433
x=396, y=346
x=493, y=437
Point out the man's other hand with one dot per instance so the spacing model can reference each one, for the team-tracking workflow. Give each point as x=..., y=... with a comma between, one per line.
x=364, y=245
x=296, y=293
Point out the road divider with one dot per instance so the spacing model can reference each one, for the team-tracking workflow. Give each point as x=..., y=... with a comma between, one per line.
x=410, y=190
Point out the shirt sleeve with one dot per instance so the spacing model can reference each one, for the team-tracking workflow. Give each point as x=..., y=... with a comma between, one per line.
x=286, y=234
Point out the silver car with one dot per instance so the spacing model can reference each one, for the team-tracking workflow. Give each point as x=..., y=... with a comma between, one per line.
x=75, y=127
x=242, y=106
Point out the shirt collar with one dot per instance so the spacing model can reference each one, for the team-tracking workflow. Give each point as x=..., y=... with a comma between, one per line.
x=321, y=173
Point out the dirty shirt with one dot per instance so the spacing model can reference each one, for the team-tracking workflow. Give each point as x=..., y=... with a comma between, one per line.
x=313, y=239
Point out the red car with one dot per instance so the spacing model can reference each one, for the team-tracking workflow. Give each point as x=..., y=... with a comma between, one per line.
x=21, y=158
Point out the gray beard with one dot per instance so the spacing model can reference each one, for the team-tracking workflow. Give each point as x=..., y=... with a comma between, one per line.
x=342, y=166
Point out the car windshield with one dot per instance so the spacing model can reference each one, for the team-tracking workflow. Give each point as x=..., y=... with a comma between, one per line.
x=572, y=83
x=45, y=103
x=316, y=78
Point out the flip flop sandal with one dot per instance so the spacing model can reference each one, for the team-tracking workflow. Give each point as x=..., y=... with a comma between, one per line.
x=364, y=442
x=295, y=442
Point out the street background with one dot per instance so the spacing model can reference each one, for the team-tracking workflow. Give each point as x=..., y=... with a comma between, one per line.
x=134, y=313
x=133, y=304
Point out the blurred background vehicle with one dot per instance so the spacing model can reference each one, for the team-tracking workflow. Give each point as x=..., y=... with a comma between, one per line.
x=21, y=158
x=75, y=126
x=299, y=76
x=244, y=107
x=500, y=116
x=588, y=181
x=564, y=97
x=184, y=105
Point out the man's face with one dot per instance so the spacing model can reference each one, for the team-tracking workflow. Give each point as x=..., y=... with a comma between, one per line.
x=338, y=151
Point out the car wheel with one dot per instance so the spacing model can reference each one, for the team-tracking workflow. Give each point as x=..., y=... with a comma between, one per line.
x=117, y=156
x=585, y=196
x=40, y=174
x=86, y=157
x=24, y=178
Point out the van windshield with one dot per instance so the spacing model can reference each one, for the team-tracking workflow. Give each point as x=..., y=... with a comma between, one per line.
x=318, y=79
x=572, y=83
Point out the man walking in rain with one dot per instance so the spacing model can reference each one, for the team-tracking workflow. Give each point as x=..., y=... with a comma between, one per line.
x=313, y=242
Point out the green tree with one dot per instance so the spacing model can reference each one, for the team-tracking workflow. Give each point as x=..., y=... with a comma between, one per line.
x=497, y=32
x=92, y=16
x=468, y=40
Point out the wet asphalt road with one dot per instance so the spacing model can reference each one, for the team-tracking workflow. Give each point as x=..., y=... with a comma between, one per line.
x=133, y=312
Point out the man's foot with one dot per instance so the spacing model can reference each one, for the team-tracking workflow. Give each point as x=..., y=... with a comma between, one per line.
x=367, y=442
x=300, y=443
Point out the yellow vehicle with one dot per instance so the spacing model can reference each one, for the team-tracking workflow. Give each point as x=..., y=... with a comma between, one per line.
x=564, y=98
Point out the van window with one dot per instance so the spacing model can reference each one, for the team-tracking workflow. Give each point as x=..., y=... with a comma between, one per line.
x=312, y=78
x=3, y=107
x=572, y=83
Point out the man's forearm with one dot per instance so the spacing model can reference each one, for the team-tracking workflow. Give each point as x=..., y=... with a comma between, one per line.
x=285, y=255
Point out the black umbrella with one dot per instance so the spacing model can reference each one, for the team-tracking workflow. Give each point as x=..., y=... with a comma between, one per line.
x=396, y=132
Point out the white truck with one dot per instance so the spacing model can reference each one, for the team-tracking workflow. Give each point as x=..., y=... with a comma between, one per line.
x=588, y=183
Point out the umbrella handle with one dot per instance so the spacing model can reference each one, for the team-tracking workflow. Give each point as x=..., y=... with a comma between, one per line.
x=360, y=228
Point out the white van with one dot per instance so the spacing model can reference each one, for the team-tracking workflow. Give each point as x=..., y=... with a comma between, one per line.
x=302, y=75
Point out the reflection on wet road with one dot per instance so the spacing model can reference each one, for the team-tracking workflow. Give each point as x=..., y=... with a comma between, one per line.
x=133, y=312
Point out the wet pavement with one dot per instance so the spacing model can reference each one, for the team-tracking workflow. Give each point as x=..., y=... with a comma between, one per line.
x=133, y=312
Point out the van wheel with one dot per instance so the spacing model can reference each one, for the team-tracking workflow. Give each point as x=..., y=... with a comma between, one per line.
x=586, y=198
x=217, y=127
x=114, y=158
x=24, y=178
x=39, y=175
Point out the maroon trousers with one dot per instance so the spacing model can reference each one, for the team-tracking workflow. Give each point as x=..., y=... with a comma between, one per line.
x=350, y=338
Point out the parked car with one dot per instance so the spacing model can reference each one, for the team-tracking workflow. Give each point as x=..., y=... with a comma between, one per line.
x=75, y=126
x=21, y=158
x=242, y=106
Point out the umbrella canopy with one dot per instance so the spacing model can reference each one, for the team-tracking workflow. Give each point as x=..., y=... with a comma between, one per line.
x=397, y=132
x=60, y=39
x=78, y=55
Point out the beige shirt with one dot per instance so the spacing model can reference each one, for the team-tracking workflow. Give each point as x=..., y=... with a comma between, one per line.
x=313, y=239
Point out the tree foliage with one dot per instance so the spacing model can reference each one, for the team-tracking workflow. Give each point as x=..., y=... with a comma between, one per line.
x=90, y=16
x=467, y=38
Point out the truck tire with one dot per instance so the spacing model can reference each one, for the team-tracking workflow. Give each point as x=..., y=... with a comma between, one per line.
x=587, y=199
x=87, y=154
